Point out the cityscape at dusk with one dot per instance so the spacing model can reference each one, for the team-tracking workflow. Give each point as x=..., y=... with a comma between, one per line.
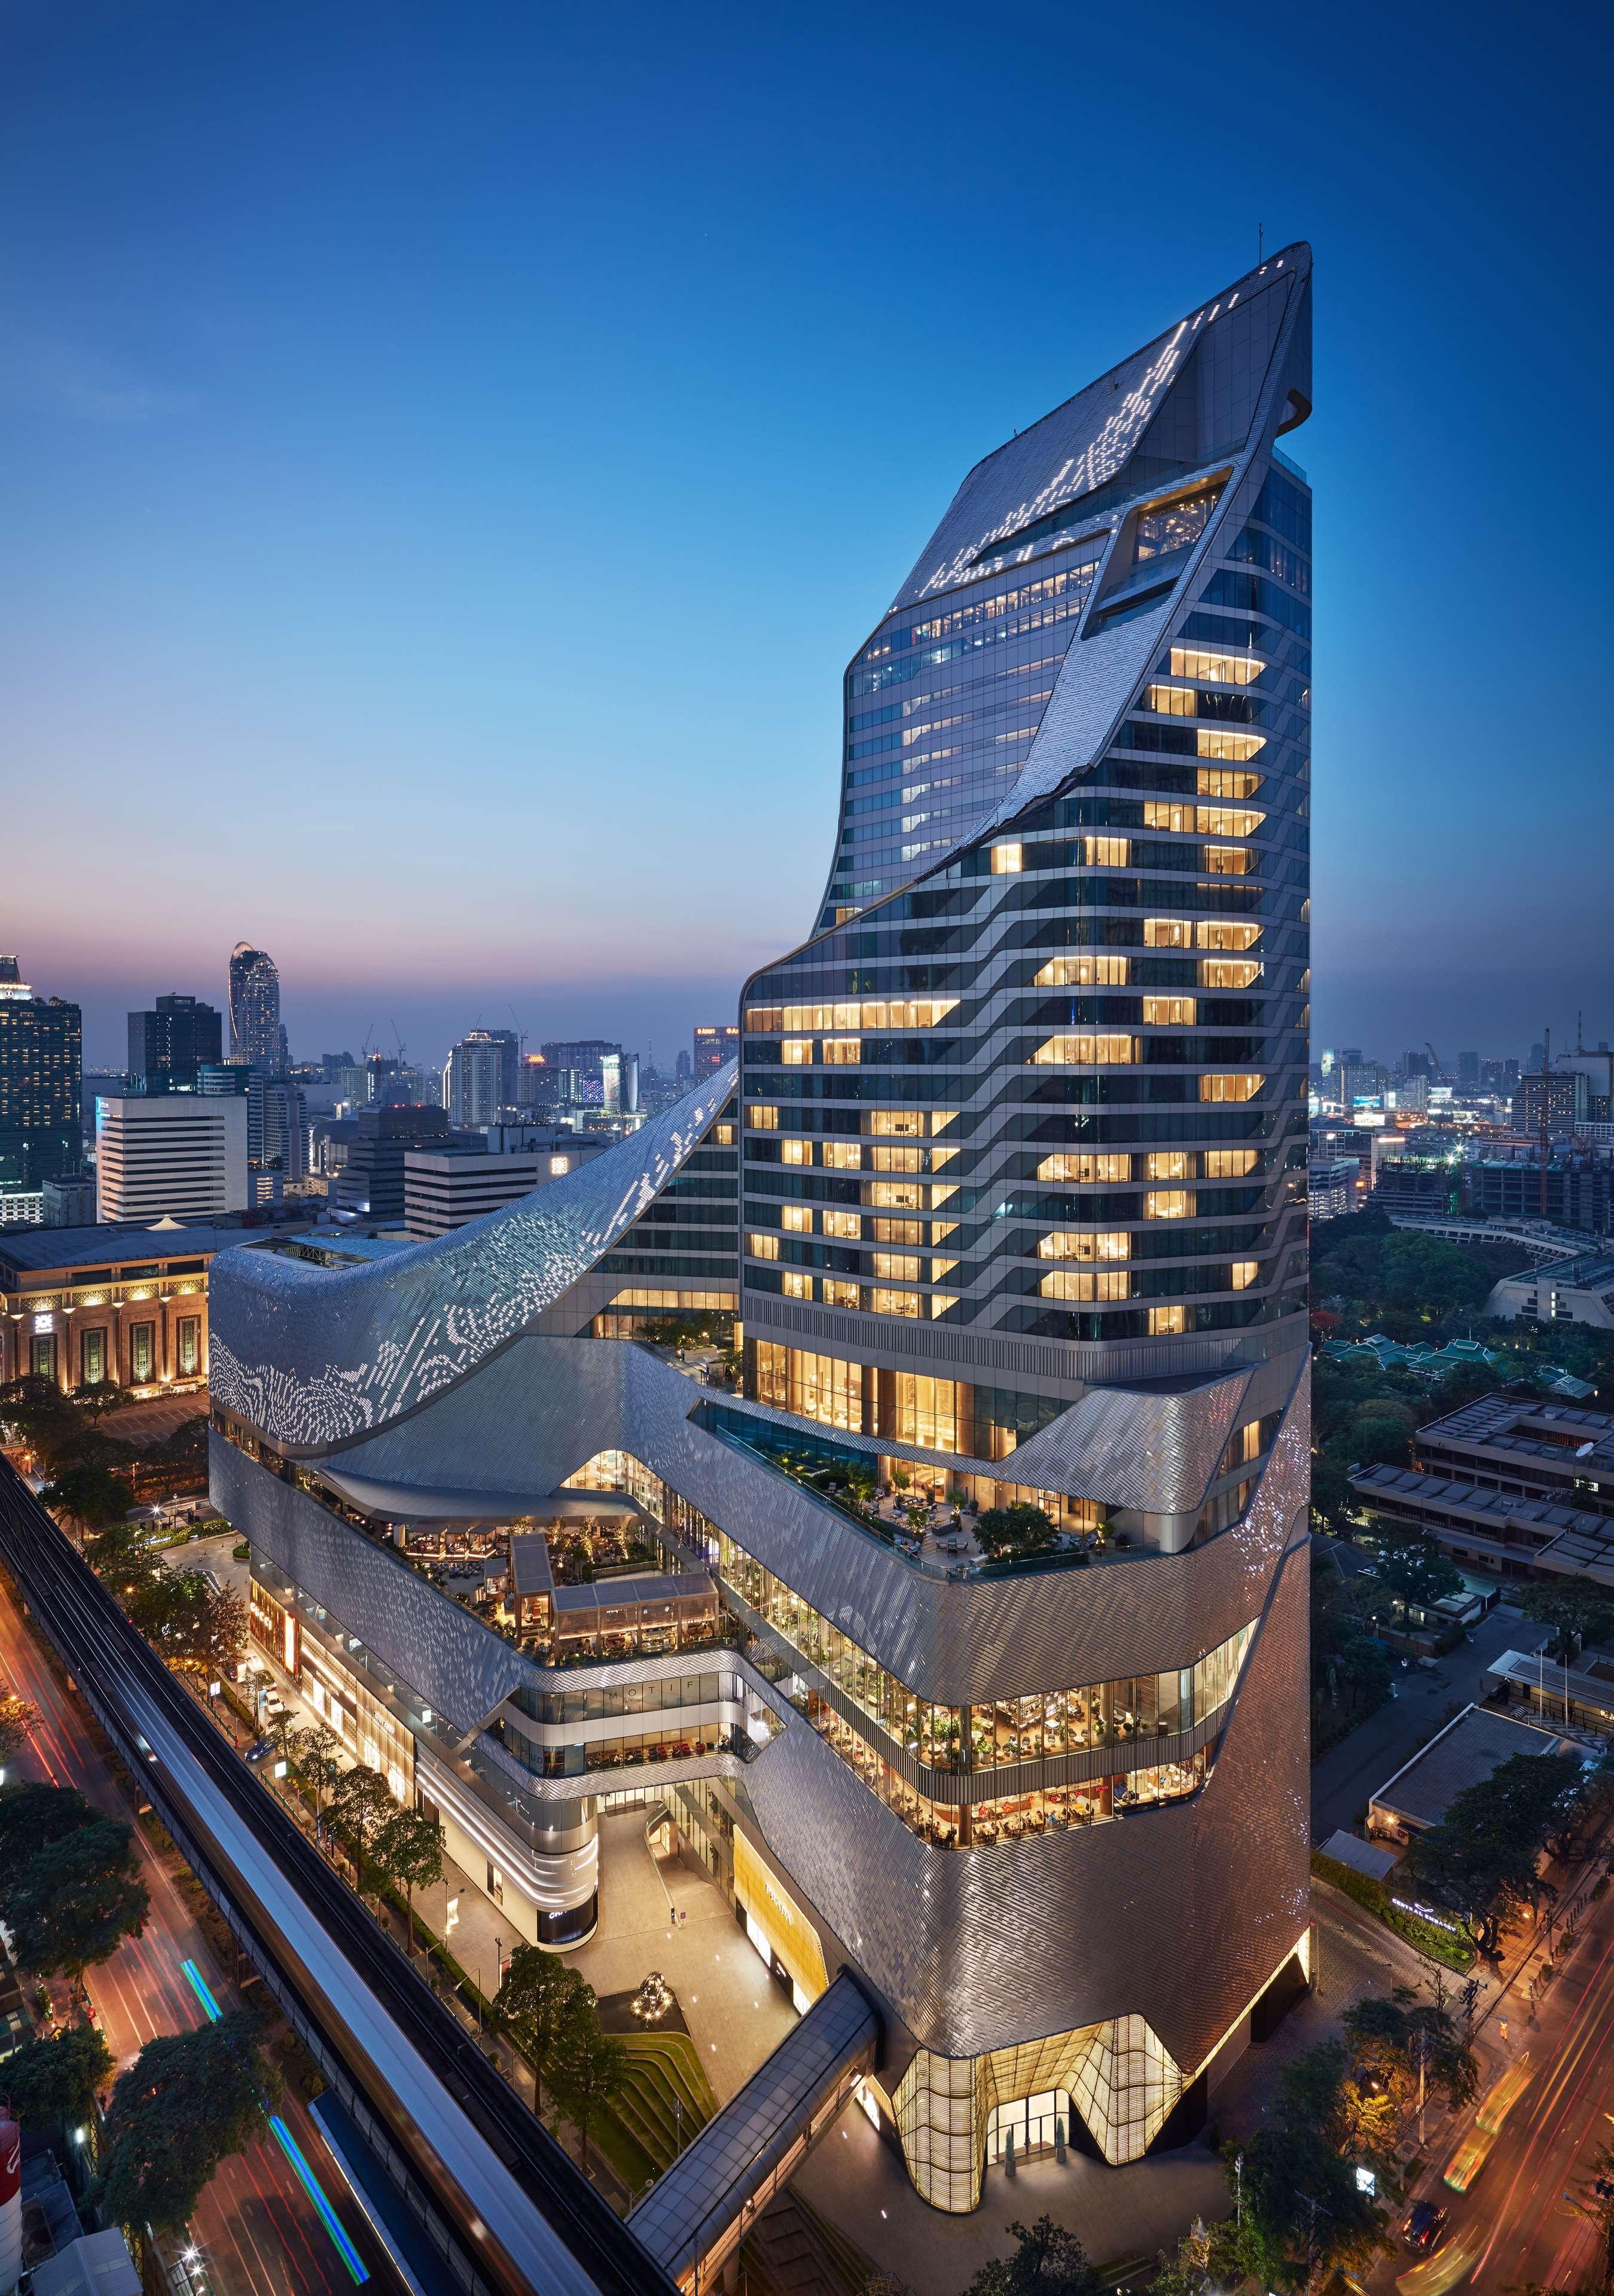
x=806, y=1156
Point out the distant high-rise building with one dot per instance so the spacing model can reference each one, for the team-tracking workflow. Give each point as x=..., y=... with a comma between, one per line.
x=41, y=1070
x=169, y=1044
x=473, y=1082
x=256, y=1034
x=681, y=1069
x=578, y=1067
x=1417, y=1064
x=1566, y=1102
x=1468, y=1071
x=179, y=1156
x=1349, y=1056
x=331, y=1065
x=619, y=1080
x=370, y=1185
x=70, y=1202
x=712, y=1047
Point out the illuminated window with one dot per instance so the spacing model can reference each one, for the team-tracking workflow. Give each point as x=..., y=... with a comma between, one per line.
x=1168, y=1203
x=1174, y=525
x=1086, y=1244
x=1169, y=1011
x=895, y=1195
x=842, y=1051
x=841, y=1155
x=1244, y=1273
x=1230, y=1087
x=1168, y=932
x=796, y=1286
x=1097, y=972
x=1007, y=860
x=1228, y=821
x=724, y=1134
x=901, y=1231
x=560, y=1164
x=1215, y=668
x=1219, y=933
x=895, y=1303
x=843, y=1224
x=763, y=1247
x=1230, y=1163
x=796, y=1219
x=762, y=1118
x=1083, y=1168
x=1073, y=1284
x=1107, y=852
x=908, y=1012
x=897, y=1160
x=1159, y=813
x=898, y=1266
x=839, y=1294
x=1229, y=972
x=904, y=1123
x=1087, y=1052
x=1169, y=1164
x=1164, y=1320
x=1220, y=741
x=1228, y=861
x=761, y=1019
x=797, y=1052
x=1173, y=701
x=795, y=1151
x=1218, y=781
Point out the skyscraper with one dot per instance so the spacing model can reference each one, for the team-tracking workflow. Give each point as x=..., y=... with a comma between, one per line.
x=474, y=1081
x=712, y=1046
x=256, y=1034
x=41, y=1067
x=169, y=1045
x=1019, y=1147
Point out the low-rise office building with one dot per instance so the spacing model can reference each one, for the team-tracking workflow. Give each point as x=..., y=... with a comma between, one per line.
x=1579, y=1291
x=1330, y=1187
x=445, y=1186
x=176, y=1155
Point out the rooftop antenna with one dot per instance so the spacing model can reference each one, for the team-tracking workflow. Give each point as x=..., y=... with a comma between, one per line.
x=1260, y=240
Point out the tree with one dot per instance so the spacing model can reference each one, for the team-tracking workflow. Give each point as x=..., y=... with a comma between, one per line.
x=1047, y=2261
x=589, y=2070
x=1398, y=2045
x=187, y=2100
x=409, y=1850
x=56, y=2079
x=360, y=1806
x=92, y=1496
x=1380, y=1438
x=313, y=1756
x=1578, y=1612
x=1430, y=1275
x=1593, y=2200
x=18, y=1722
x=121, y=1551
x=193, y=1625
x=1299, y=2205
x=76, y=1900
x=1331, y=1494
x=1480, y=1862
x=1015, y=1530
x=539, y=2000
x=1413, y=1569
x=33, y=1816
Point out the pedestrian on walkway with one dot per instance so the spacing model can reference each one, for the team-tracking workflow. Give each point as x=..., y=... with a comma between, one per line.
x=1502, y=2026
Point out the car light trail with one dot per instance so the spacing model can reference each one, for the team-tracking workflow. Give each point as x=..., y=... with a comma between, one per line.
x=203, y=1991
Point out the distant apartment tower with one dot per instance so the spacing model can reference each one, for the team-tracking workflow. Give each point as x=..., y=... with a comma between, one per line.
x=474, y=1081
x=1468, y=1071
x=180, y=1156
x=712, y=1048
x=1331, y=1186
x=41, y=1067
x=256, y=1034
x=169, y=1044
x=1566, y=1096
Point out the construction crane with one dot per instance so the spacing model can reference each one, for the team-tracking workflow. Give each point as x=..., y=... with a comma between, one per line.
x=1439, y=1063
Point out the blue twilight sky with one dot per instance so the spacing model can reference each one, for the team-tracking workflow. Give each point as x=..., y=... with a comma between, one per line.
x=450, y=448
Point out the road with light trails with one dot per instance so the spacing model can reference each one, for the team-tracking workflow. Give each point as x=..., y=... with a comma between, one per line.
x=256, y=2229
x=1514, y=2224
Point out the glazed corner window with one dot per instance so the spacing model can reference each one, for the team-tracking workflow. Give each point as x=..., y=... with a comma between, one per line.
x=1107, y=852
x=763, y=1019
x=1087, y=1052
x=1163, y=1321
x=848, y=1224
x=1160, y=813
x=1168, y=1203
x=1169, y=1011
x=1215, y=668
x=795, y=1151
x=1220, y=933
x=1008, y=860
x=762, y=1118
x=797, y=1052
x=842, y=1051
x=1086, y=1244
x=1096, y=971
x=1173, y=701
x=797, y=1219
x=1228, y=821
x=1230, y=1163
x=1244, y=1273
x=1168, y=932
x=1228, y=861
x=796, y=1286
x=1229, y=972
x=1174, y=525
x=1077, y=1283
x=763, y=1247
x=1230, y=1087
x=1218, y=742
x=1217, y=781
x=1085, y=1168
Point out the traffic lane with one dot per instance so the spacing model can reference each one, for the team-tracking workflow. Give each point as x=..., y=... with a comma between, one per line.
x=254, y=2223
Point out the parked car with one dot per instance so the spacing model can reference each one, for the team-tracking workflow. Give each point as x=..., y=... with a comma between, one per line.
x=1422, y=2225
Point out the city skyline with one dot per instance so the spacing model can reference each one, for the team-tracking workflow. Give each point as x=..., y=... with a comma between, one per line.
x=457, y=410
